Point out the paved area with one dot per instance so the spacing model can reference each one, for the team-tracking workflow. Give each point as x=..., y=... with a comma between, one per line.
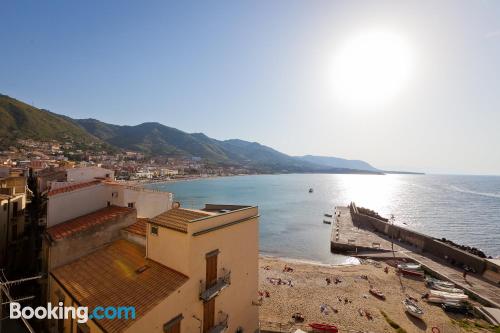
x=345, y=233
x=348, y=235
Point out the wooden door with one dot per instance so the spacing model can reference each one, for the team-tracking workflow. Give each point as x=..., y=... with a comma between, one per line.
x=208, y=315
x=211, y=274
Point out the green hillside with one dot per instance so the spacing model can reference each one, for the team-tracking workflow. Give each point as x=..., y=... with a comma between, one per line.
x=19, y=120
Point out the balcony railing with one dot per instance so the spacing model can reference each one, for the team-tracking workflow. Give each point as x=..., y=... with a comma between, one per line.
x=221, y=325
x=222, y=282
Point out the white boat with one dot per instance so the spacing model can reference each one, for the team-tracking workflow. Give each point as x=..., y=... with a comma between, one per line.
x=413, y=309
x=411, y=267
x=437, y=296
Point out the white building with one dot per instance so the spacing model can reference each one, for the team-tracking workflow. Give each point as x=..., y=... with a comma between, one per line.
x=73, y=200
x=89, y=173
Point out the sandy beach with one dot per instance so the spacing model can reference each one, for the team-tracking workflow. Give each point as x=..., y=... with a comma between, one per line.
x=347, y=304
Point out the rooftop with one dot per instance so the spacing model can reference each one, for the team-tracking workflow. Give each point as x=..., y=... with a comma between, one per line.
x=73, y=187
x=178, y=218
x=138, y=228
x=82, y=223
x=118, y=275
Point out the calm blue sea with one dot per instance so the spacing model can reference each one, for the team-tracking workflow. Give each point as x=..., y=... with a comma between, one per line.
x=465, y=209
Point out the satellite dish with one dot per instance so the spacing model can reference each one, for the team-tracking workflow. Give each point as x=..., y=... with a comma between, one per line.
x=176, y=204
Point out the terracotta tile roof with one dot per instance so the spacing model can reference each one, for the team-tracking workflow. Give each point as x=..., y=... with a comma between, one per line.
x=110, y=277
x=82, y=223
x=138, y=228
x=73, y=187
x=178, y=218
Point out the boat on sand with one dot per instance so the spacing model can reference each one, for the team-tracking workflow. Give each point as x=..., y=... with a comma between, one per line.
x=407, y=272
x=446, y=289
x=413, y=309
x=410, y=267
x=376, y=292
x=317, y=327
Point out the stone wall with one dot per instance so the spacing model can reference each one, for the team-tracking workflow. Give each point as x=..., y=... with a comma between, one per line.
x=420, y=242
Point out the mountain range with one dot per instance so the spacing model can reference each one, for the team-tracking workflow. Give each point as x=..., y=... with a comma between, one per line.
x=23, y=121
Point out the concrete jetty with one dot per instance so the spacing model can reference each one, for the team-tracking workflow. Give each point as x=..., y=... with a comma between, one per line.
x=366, y=236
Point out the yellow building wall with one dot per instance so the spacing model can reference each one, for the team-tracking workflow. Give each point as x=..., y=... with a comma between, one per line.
x=170, y=248
x=238, y=245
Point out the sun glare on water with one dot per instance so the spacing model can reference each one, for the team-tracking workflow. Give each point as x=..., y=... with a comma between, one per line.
x=370, y=69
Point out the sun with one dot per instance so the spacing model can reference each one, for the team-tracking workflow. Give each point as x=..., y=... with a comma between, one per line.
x=370, y=69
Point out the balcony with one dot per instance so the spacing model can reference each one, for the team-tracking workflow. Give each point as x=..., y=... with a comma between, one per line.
x=222, y=282
x=221, y=325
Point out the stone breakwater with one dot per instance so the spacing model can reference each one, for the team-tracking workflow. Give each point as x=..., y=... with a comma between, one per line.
x=455, y=256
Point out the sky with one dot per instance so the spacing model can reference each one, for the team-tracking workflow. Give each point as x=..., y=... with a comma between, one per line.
x=268, y=71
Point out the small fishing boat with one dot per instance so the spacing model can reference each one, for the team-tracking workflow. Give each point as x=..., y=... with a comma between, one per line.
x=311, y=190
x=446, y=289
x=328, y=215
x=455, y=307
x=327, y=222
x=407, y=272
x=441, y=297
x=445, y=295
x=376, y=292
x=413, y=309
x=410, y=267
x=433, y=281
x=324, y=328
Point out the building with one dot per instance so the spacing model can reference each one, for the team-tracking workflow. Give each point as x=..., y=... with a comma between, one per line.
x=67, y=201
x=13, y=198
x=197, y=273
x=84, y=174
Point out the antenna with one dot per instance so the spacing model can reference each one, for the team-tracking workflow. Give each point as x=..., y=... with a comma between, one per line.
x=4, y=290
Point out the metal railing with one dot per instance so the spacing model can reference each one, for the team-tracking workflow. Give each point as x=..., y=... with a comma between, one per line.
x=221, y=325
x=222, y=282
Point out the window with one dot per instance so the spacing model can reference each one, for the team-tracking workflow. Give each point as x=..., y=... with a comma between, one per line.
x=174, y=325
x=131, y=205
x=154, y=230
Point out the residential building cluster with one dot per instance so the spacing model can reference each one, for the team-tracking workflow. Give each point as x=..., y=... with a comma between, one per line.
x=105, y=242
x=127, y=165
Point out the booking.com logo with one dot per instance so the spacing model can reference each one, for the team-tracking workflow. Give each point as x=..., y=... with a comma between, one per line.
x=80, y=313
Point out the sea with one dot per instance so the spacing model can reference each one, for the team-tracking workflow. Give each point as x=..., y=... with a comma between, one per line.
x=464, y=209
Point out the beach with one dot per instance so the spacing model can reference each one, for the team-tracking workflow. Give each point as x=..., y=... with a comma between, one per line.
x=347, y=303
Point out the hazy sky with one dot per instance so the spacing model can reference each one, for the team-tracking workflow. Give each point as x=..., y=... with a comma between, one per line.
x=262, y=71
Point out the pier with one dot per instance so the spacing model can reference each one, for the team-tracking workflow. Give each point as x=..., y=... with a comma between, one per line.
x=366, y=236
